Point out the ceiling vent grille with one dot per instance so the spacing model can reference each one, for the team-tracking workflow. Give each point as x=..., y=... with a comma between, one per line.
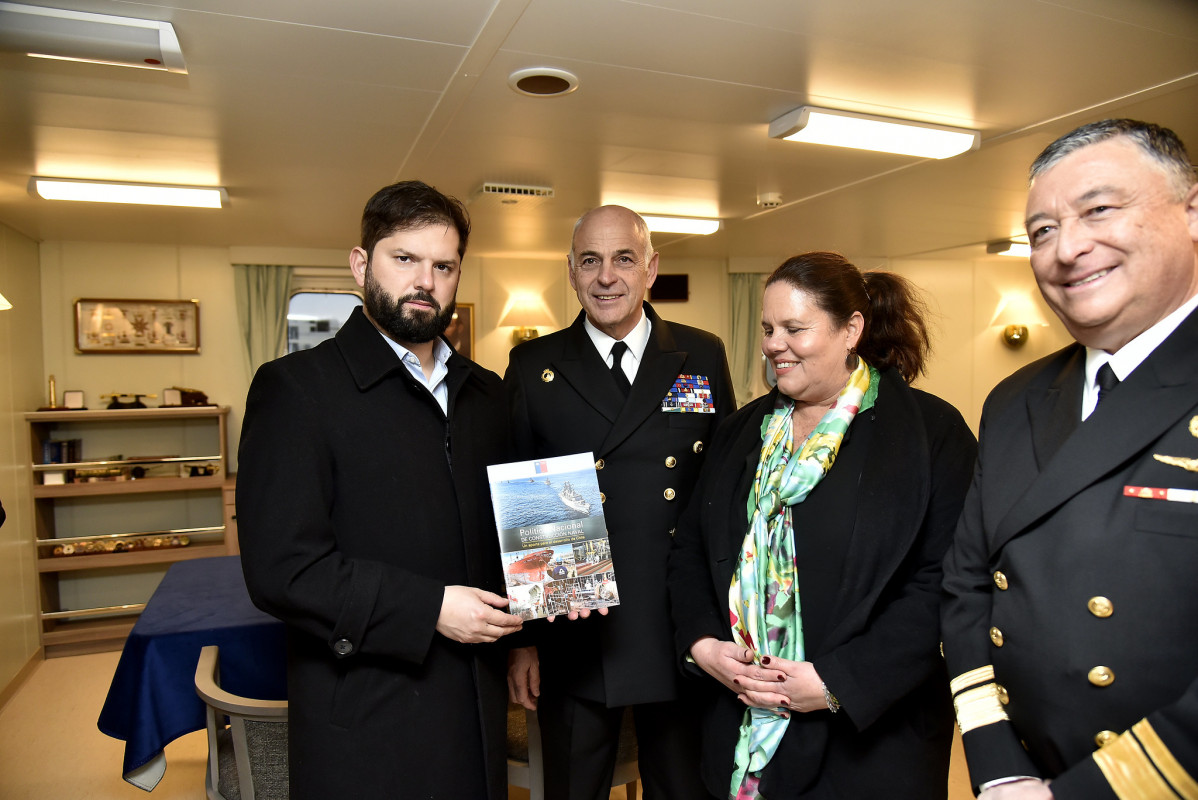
x=511, y=195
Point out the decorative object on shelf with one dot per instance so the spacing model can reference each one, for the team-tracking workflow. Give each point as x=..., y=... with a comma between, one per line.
x=177, y=396
x=73, y=399
x=137, y=326
x=51, y=397
x=118, y=546
x=126, y=400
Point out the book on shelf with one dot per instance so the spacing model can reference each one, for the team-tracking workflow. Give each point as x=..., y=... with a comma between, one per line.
x=552, y=536
x=60, y=451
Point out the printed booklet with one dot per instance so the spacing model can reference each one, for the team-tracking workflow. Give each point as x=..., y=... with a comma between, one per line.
x=552, y=535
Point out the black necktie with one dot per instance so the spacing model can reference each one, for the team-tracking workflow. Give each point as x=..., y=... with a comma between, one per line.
x=617, y=355
x=1106, y=380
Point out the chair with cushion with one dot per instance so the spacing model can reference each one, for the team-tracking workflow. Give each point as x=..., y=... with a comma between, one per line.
x=525, y=766
x=247, y=757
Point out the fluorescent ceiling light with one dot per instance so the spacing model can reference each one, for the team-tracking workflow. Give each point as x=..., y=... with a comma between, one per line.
x=867, y=132
x=4, y=304
x=1010, y=248
x=138, y=193
x=95, y=38
x=699, y=225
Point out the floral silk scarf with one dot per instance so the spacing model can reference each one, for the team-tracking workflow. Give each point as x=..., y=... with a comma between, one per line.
x=763, y=599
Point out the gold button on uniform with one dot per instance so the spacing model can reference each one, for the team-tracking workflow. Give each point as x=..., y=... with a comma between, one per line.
x=547, y=375
x=1000, y=581
x=1100, y=606
x=697, y=447
x=599, y=464
x=996, y=637
x=602, y=497
x=1101, y=676
x=668, y=494
x=671, y=462
x=1103, y=738
x=1003, y=697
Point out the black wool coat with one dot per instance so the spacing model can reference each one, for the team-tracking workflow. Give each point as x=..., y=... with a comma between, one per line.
x=358, y=502
x=564, y=400
x=870, y=538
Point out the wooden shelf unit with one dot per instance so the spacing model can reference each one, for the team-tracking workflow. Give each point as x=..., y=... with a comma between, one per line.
x=69, y=513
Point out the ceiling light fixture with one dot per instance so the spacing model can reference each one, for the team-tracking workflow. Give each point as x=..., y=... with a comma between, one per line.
x=700, y=225
x=94, y=38
x=4, y=304
x=1006, y=247
x=149, y=194
x=868, y=132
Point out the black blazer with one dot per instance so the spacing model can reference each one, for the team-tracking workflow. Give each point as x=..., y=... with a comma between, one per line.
x=883, y=516
x=1093, y=576
x=357, y=503
x=564, y=400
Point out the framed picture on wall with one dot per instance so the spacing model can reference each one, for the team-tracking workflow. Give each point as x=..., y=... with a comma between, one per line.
x=460, y=332
x=137, y=326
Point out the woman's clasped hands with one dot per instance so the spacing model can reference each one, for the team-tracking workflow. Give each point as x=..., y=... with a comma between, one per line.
x=773, y=683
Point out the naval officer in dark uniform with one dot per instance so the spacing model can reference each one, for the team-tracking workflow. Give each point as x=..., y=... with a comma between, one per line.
x=1070, y=611
x=613, y=384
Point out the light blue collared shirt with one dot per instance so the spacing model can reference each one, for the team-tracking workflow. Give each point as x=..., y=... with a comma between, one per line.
x=435, y=383
x=1124, y=361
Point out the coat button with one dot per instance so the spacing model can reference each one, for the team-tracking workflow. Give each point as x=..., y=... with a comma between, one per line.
x=599, y=464
x=1100, y=606
x=1003, y=697
x=343, y=647
x=1000, y=580
x=602, y=497
x=1101, y=676
x=697, y=447
x=668, y=494
x=996, y=637
x=671, y=462
x=1103, y=738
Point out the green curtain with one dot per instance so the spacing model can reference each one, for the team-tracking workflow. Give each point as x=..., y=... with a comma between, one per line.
x=744, y=346
x=263, y=292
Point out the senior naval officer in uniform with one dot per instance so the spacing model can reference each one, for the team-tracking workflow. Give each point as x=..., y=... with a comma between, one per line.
x=1070, y=612
x=610, y=384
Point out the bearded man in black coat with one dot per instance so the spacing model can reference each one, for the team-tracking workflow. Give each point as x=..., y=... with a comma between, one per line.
x=365, y=526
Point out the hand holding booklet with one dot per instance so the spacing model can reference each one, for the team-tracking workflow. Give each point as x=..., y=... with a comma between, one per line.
x=552, y=536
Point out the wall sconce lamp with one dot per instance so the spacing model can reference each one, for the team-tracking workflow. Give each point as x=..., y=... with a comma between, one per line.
x=868, y=132
x=1016, y=313
x=4, y=304
x=1008, y=247
x=526, y=312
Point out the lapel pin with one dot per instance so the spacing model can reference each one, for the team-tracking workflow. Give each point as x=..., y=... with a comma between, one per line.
x=547, y=376
x=1188, y=464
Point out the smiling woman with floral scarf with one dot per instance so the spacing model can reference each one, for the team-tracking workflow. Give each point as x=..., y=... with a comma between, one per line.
x=805, y=575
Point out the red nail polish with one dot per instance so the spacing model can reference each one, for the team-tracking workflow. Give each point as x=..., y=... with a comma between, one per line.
x=765, y=660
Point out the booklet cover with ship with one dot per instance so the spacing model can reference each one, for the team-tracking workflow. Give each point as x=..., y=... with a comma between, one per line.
x=552, y=535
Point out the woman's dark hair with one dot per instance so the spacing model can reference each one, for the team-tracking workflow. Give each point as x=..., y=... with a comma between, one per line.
x=895, y=333
x=408, y=205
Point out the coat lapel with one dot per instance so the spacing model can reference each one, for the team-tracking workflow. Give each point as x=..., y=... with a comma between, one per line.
x=660, y=365
x=584, y=369
x=1152, y=399
x=1055, y=411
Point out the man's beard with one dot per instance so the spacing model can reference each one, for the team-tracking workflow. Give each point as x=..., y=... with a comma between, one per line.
x=405, y=326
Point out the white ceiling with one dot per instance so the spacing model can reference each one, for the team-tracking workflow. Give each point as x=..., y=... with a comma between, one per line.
x=302, y=108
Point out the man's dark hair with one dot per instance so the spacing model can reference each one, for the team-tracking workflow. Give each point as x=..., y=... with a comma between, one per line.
x=408, y=205
x=1160, y=144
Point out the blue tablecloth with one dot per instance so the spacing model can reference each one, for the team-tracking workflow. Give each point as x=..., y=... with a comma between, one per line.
x=152, y=700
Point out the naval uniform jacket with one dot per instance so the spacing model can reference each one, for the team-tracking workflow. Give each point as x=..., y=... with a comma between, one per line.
x=358, y=501
x=1071, y=608
x=870, y=538
x=564, y=400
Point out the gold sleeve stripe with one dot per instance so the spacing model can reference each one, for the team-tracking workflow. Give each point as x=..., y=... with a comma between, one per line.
x=971, y=678
x=978, y=707
x=1183, y=783
x=1130, y=773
